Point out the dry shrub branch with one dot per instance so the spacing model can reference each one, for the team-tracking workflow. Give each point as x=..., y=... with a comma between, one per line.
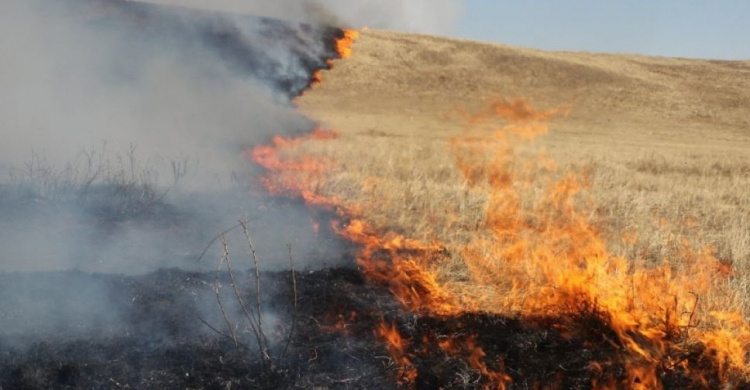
x=252, y=317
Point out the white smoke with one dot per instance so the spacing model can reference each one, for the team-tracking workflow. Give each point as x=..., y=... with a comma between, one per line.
x=422, y=16
x=177, y=86
x=66, y=87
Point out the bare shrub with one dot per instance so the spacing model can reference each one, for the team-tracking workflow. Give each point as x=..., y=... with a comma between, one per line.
x=250, y=321
x=120, y=184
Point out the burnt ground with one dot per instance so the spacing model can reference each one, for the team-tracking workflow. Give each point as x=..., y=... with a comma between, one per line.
x=161, y=341
x=157, y=338
x=164, y=329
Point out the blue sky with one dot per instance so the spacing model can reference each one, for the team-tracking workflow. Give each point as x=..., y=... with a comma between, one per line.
x=683, y=28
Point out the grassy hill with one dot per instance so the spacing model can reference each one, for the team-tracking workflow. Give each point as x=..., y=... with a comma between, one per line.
x=666, y=140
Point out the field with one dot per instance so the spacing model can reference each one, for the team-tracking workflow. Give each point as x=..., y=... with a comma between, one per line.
x=664, y=138
x=465, y=215
x=666, y=141
x=515, y=171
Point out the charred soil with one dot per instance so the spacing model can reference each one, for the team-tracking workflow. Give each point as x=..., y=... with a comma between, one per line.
x=161, y=342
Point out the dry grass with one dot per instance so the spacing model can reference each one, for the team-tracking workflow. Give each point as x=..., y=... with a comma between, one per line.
x=666, y=141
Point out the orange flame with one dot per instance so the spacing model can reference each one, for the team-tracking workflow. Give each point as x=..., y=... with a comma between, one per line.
x=498, y=378
x=549, y=259
x=530, y=258
x=341, y=323
x=293, y=177
x=396, y=345
x=343, y=46
x=345, y=43
x=317, y=77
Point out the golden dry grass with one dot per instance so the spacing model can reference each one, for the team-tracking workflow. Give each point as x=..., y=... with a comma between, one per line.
x=666, y=141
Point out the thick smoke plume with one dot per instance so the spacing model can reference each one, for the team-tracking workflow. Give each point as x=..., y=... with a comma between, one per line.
x=123, y=126
x=175, y=84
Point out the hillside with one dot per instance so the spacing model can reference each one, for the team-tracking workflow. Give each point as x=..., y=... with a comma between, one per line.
x=480, y=178
x=393, y=71
x=665, y=137
x=464, y=216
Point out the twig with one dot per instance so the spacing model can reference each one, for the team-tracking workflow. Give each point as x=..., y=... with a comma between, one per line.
x=114, y=382
x=692, y=313
x=213, y=240
x=217, y=286
x=257, y=277
x=255, y=327
x=220, y=333
x=294, y=288
x=349, y=380
x=315, y=351
x=225, y=232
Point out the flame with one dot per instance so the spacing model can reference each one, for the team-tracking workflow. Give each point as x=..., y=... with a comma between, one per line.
x=531, y=255
x=293, y=177
x=498, y=378
x=317, y=77
x=341, y=323
x=548, y=258
x=343, y=47
x=400, y=263
x=396, y=345
x=345, y=43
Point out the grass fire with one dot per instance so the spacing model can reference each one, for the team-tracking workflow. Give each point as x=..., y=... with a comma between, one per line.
x=358, y=208
x=493, y=226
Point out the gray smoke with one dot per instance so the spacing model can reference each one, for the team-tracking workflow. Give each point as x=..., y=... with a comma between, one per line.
x=423, y=16
x=68, y=85
x=123, y=130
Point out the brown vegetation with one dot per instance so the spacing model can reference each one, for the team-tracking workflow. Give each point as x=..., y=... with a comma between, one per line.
x=666, y=141
x=659, y=145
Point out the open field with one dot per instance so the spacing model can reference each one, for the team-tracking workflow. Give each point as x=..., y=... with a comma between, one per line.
x=484, y=178
x=466, y=215
x=666, y=141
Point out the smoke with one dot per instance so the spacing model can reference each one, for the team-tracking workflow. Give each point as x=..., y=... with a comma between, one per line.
x=123, y=127
x=123, y=131
x=173, y=84
x=423, y=16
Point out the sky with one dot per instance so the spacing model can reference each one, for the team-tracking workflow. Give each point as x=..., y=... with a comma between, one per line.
x=718, y=29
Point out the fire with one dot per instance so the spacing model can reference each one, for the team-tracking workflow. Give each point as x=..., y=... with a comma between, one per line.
x=536, y=253
x=317, y=77
x=400, y=263
x=397, y=348
x=345, y=43
x=293, y=177
x=343, y=47
x=547, y=258
x=498, y=378
x=340, y=325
